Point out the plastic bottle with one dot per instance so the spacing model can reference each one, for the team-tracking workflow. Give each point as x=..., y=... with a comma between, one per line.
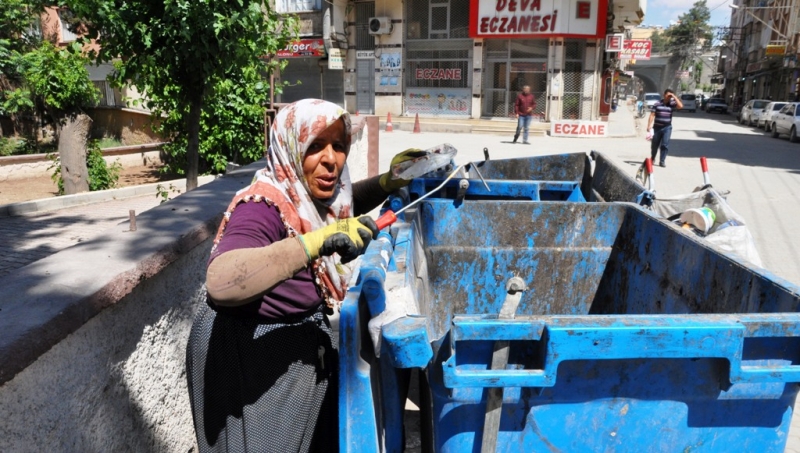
x=435, y=158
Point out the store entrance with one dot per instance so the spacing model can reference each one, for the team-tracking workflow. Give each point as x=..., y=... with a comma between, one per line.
x=510, y=65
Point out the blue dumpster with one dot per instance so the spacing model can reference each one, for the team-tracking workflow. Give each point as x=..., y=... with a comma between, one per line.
x=623, y=333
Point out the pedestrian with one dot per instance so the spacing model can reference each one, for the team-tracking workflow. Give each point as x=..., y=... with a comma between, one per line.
x=262, y=361
x=523, y=109
x=660, y=123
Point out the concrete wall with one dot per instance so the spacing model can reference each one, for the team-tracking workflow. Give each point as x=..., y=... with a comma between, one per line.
x=93, y=338
x=130, y=126
x=37, y=165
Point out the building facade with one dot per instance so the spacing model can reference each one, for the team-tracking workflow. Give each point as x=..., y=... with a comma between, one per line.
x=469, y=59
x=456, y=58
x=759, y=56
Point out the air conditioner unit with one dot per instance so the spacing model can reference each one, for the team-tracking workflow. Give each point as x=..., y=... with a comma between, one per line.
x=380, y=25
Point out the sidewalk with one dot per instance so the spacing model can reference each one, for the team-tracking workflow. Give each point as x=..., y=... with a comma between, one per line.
x=30, y=237
x=622, y=123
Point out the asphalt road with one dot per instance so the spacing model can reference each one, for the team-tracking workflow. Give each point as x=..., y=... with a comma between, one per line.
x=761, y=173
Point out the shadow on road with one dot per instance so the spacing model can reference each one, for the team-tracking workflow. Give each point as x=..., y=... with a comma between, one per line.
x=755, y=150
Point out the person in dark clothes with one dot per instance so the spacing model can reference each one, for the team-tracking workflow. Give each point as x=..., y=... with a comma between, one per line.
x=262, y=360
x=523, y=108
x=660, y=123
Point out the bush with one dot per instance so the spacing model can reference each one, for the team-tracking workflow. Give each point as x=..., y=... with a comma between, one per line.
x=101, y=175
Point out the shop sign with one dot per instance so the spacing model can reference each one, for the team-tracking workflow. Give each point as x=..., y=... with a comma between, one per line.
x=775, y=50
x=537, y=18
x=438, y=101
x=615, y=42
x=754, y=67
x=561, y=128
x=638, y=49
x=303, y=48
x=438, y=74
x=365, y=54
x=336, y=59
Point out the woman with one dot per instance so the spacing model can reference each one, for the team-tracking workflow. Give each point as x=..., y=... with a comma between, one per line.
x=262, y=361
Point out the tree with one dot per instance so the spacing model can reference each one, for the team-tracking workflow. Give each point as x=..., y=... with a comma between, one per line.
x=231, y=124
x=692, y=33
x=176, y=51
x=659, y=42
x=57, y=79
x=42, y=80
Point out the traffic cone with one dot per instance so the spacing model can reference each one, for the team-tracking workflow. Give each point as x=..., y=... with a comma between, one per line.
x=389, y=127
x=416, y=124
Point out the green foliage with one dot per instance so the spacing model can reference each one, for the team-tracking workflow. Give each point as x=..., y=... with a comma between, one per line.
x=108, y=142
x=56, y=77
x=163, y=192
x=231, y=124
x=660, y=43
x=693, y=31
x=102, y=176
x=8, y=146
x=179, y=52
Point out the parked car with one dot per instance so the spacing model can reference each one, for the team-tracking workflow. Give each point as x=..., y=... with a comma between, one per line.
x=689, y=102
x=787, y=121
x=650, y=99
x=717, y=105
x=765, y=120
x=751, y=111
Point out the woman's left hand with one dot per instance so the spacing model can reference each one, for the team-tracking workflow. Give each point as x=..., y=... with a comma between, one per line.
x=388, y=184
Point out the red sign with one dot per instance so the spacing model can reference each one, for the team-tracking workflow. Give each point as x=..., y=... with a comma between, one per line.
x=614, y=42
x=583, y=10
x=303, y=48
x=578, y=128
x=438, y=74
x=537, y=18
x=636, y=49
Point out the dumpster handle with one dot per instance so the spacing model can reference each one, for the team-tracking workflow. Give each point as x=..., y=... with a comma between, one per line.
x=620, y=337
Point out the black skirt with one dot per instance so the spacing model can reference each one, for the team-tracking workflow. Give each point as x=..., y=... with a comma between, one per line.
x=263, y=387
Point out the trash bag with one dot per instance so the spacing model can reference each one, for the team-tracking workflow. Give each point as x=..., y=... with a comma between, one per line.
x=729, y=231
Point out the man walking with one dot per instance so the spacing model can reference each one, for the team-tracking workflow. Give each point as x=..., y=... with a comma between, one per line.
x=523, y=108
x=660, y=123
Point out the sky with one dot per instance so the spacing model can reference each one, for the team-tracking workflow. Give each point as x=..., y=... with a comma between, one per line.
x=664, y=12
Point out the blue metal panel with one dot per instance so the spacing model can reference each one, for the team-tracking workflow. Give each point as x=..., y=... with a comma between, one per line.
x=632, y=336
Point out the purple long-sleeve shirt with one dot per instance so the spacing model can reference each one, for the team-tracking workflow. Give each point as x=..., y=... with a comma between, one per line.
x=256, y=224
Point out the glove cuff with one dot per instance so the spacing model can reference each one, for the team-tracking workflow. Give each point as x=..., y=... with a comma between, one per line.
x=310, y=255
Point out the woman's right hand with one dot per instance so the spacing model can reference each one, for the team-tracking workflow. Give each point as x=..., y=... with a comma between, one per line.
x=347, y=237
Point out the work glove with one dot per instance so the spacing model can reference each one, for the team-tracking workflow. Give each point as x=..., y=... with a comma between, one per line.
x=388, y=184
x=347, y=237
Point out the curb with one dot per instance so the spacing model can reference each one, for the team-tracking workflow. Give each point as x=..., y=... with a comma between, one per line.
x=79, y=199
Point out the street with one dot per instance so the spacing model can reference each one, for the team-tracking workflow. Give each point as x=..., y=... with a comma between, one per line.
x=761, y=173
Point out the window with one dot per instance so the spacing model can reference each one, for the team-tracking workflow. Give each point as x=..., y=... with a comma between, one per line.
x=437, y=19
x=66, y=35
x=294, y=6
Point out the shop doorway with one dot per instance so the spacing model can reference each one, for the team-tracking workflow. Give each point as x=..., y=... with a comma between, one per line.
x=365, y=86
x=510, y=65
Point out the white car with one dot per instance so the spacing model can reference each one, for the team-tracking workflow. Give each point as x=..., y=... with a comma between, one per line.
x=765, y=120
x=650, y=99
x=787, y=121
x=689, y=102
x=751, y=111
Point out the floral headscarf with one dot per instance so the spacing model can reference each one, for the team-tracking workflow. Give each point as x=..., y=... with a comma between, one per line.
x=282, y=183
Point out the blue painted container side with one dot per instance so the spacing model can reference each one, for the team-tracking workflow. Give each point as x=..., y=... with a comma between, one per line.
x=632, y=336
